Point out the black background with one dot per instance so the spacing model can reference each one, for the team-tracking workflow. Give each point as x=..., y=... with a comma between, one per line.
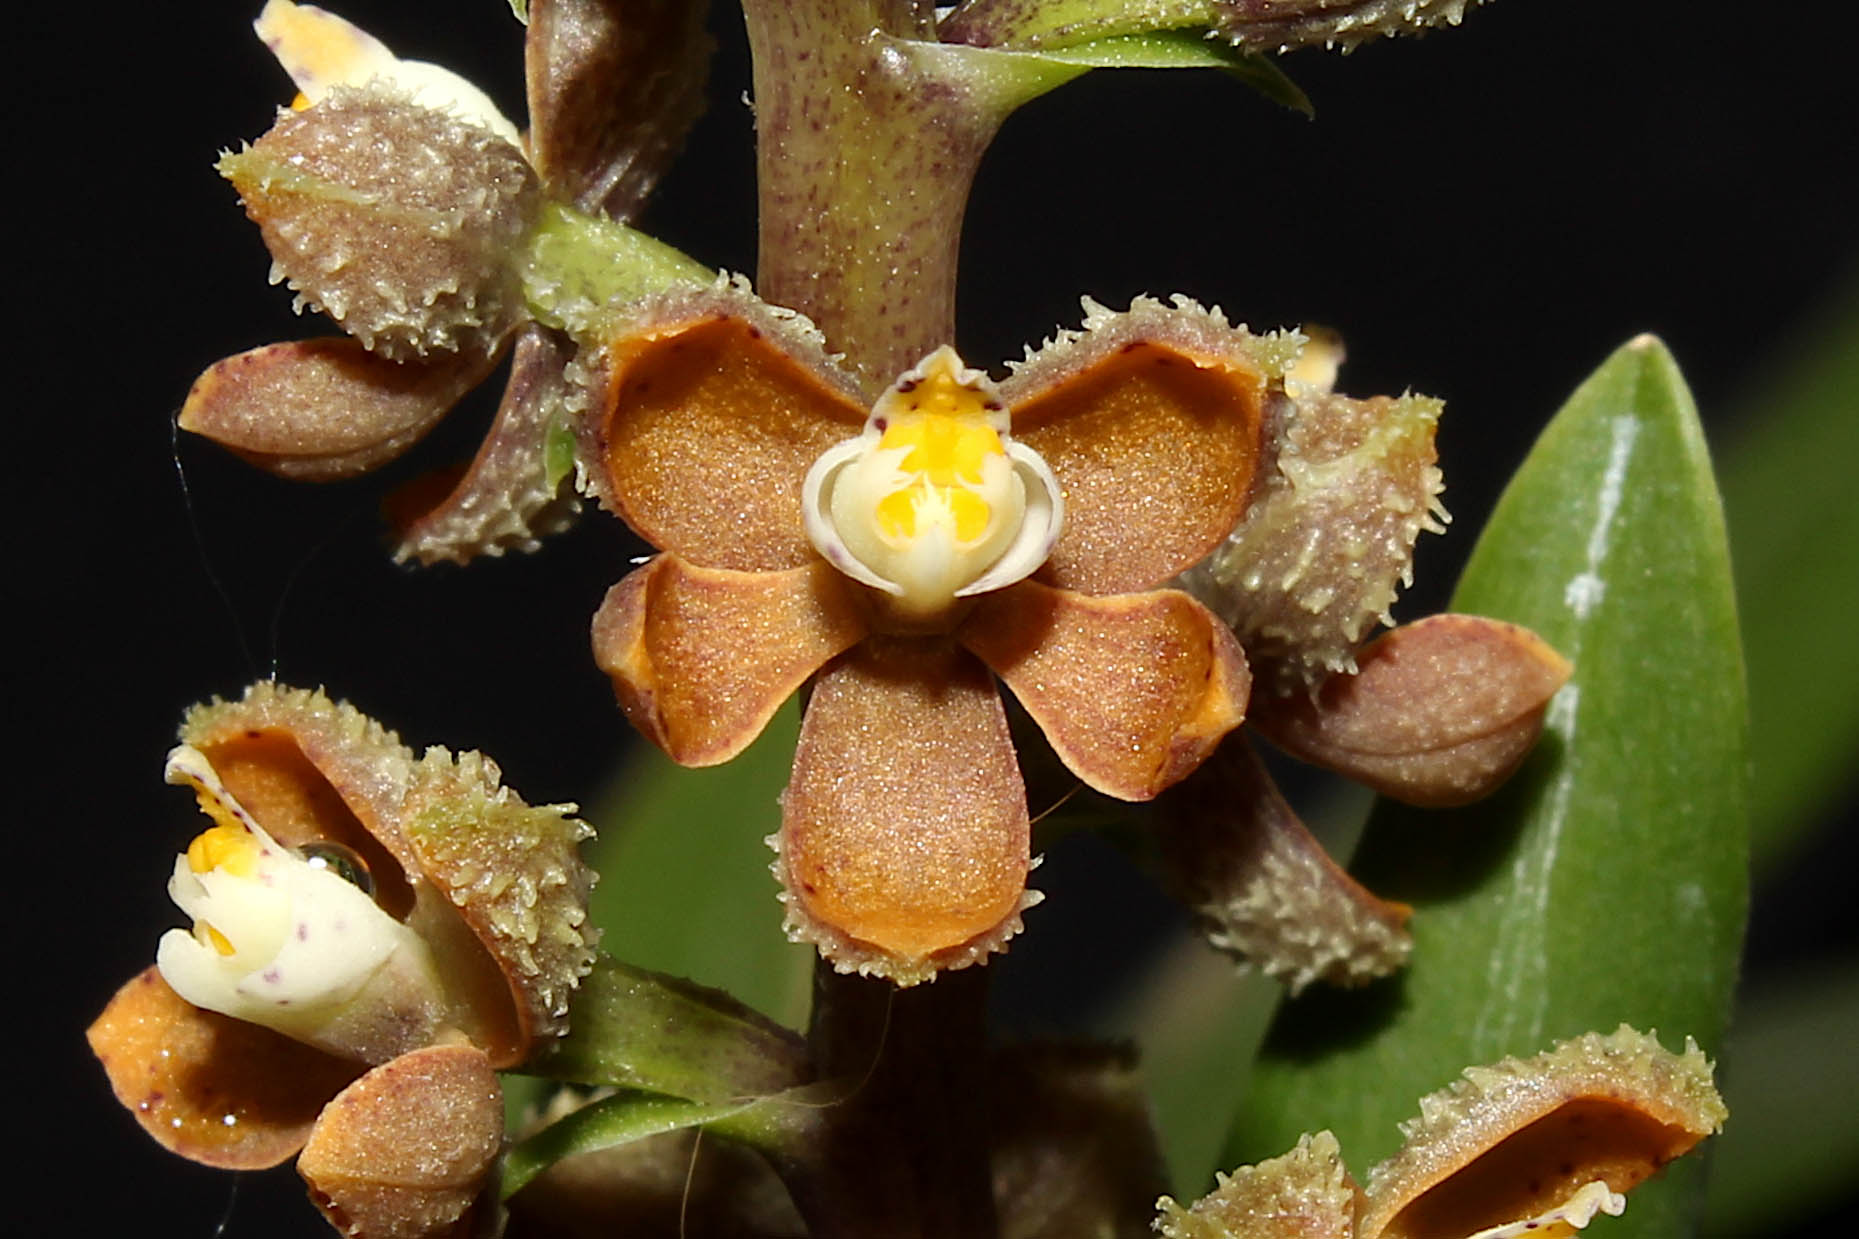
x=1485, y=213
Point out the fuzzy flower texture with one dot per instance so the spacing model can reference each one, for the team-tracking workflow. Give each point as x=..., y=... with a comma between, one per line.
x=374, y=936
x=1159, y=526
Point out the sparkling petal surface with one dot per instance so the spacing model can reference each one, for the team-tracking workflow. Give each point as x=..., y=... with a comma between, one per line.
x=1133, y=691
x=701, y=658
x=404, y=1150
x=705, y=433
x=215, y=1090
x=905, y=827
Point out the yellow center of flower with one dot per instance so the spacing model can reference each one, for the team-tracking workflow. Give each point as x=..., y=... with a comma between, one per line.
x=226, y=845
x=944, y=451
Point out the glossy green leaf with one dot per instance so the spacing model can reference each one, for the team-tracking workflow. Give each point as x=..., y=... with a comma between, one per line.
x=620, y=1119
x=685, y=887
x=1787, y=490
x=1607, y=881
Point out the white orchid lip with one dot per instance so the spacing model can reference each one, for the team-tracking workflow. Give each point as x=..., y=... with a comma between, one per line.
x=321, y=51
x=934, y=501
x=285, y=942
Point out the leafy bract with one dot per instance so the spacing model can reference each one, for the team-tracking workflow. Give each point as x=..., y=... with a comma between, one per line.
x=1607, y=881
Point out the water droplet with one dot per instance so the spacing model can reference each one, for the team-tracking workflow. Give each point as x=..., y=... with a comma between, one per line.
x=344, y=862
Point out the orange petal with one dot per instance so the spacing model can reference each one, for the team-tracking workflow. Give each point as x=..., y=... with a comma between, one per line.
x=404, y=1150
x=1518, y=1140
x=316, y=410
x=505, y=500
x=216, y=1090
x=1133, y=691
x=1153, y=422
x=1440, y=712
x=904, y=833
x=1261, y=885
x=703, y=429
x=701, y=658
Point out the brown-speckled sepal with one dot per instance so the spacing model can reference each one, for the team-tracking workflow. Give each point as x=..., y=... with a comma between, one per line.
x=613, y=86
x=1261, y=886
x=1517, y=1139
x=1439, y=712
x=508, y=499
x=318, y=410
x=1321, y=555
x=1519, y=1149
x=404, y=1152
x=402, y=222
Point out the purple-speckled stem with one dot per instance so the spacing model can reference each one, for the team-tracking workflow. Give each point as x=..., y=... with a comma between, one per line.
x=867, y=145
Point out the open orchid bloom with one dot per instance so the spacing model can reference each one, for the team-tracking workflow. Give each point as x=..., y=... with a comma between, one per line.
x=394, y=196
x=904, y=554
x=1526, y=1147
x=1436, y=712
x=373, y=936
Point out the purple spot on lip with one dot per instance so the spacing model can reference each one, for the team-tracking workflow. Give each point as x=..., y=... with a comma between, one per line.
x=270, y=976
x=303, y=931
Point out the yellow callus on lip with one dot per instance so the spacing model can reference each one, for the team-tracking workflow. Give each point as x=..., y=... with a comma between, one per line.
x=934, y=501
x=946, y=455
x=227, y=846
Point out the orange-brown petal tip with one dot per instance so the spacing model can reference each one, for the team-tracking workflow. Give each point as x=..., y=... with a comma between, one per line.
x=403, y=1152
x=1523, y=1139
x=1154, y=420
x=1439, y=712
x=213, y=1089
x=705, y=411
x=1304, y=1194
x=317, y=410
x=1133, y=691
x=904, y=836
x=701, y=658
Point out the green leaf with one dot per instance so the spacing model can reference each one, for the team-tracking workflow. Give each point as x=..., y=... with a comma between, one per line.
x=638, y=1029
x=1607, y=881
x=685, y=887
x=1182, y=49
x=616, y=1120
x=1787, y=491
